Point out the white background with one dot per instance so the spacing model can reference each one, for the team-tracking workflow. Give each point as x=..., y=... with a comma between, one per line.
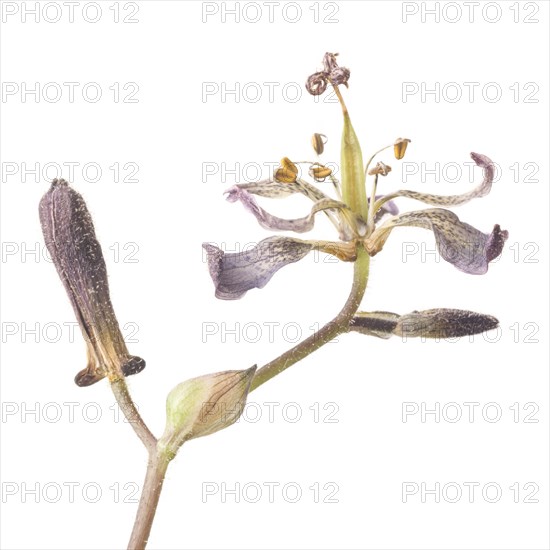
x=166, y=294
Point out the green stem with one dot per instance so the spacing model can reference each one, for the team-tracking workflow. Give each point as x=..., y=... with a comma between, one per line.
x=338, y=325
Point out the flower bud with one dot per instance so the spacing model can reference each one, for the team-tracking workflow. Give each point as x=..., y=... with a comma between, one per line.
x=204, y=405
x=318, y=141
x=76, y=253
x=399, y=147
x=443, y=323
x=430, y=323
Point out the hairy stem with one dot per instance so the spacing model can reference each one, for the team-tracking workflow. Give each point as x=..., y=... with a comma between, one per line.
x=333, y=328
x=156, y=467
x=129, y=409
x=152, y=487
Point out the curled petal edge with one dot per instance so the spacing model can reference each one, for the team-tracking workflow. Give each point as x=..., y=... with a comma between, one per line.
x=351, y=222
x=481, y=190
x=460, y=244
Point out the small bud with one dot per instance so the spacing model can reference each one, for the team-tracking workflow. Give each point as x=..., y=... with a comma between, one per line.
x=318, y=141
x=444, y=323
x=380, y=169
x=288, y=171
x=319, y=172
x=399, y=147
x=204, y=405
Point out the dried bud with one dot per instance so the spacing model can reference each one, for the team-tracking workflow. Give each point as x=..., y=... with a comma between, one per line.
x=70, y=238
x=318, y=141
x=399, y=147
x=319, y=172
x=204, y=405
x=431, y=323
x=316, y=84
x=380, y=169
x=288, y=171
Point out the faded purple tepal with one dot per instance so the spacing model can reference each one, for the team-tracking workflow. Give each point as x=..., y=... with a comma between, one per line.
x=70, y=238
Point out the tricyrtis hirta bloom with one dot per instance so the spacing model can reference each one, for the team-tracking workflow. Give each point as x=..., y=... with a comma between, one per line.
x=70, y=238
x=362, y=222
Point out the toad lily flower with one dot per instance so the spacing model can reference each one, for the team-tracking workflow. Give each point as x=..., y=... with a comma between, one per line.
x=361, y=222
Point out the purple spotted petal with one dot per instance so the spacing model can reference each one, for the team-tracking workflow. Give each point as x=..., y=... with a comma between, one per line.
x=388, y=208
x=481, y=190
x=236, y=273
x=268, y=221
x=274, y=189
x=464, y=246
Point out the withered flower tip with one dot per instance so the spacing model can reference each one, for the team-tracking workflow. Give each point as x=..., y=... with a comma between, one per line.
x=76, y=253
x=332, y=73
x=337, y=75
x=316, y=84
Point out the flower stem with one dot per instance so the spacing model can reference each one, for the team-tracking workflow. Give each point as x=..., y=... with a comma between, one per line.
x=152, y=487
x=129, y=409
x=340, y=98
x=156, y=467
x=338, y=325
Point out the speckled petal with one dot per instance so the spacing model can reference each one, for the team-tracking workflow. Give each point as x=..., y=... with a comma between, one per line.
x=268, y=221
x=236, y=273
x=451, y=200
x=464, y=246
